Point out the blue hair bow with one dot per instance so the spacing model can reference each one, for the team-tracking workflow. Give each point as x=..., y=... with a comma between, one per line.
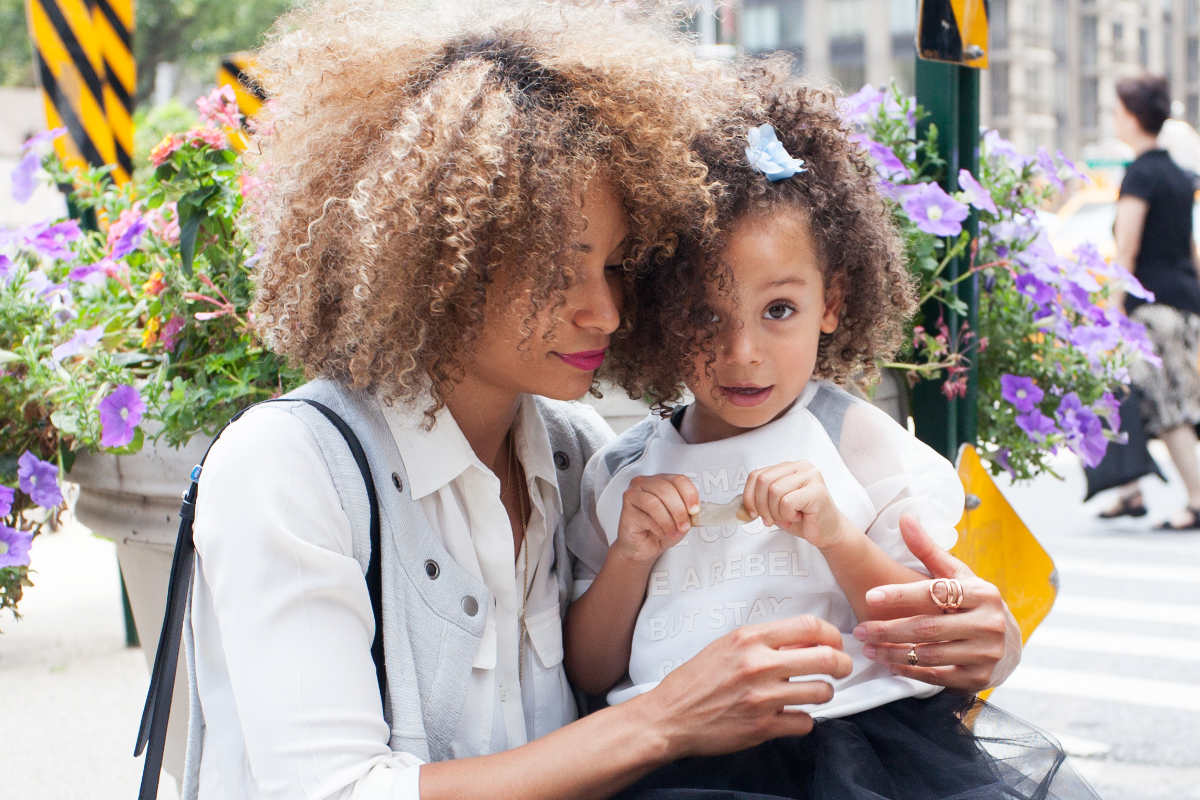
x=766, y=154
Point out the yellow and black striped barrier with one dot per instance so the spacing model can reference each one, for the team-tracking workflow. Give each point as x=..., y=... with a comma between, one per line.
x=85, y=67
x=234, y=72
x=954, y=31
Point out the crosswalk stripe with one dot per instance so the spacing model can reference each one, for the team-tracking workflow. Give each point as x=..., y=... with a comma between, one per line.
x=1109, y=688
x=1128, y=571
x=1112, y=608
x=1099, y=641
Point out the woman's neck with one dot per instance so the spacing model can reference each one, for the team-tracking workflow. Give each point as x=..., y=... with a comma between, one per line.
x=1142, y=142
x=484, y=417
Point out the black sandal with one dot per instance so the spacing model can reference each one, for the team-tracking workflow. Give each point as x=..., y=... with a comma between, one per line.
x=1129, y=506
x=1193, y=523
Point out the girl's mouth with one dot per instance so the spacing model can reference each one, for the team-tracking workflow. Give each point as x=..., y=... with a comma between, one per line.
x=587, y=360
x=746, y=395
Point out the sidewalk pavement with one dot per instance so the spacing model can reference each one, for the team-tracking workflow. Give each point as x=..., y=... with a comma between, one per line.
x=70, y=690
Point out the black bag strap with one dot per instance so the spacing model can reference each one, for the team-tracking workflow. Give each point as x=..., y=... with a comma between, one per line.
x=152, y=732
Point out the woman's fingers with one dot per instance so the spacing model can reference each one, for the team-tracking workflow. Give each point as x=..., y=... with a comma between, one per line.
x=933, y=654
x=793, y=632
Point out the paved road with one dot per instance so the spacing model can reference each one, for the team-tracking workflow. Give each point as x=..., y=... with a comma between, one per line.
x=1114, y=670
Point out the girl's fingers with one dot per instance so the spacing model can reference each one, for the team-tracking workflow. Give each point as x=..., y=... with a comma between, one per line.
x=759, y=486
x=661, y=499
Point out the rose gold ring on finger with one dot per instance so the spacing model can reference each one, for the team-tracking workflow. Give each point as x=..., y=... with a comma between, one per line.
x=947, y=594
x=913, y=660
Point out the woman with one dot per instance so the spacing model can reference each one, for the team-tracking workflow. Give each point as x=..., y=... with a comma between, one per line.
x=1154, y=241
x=456, y=205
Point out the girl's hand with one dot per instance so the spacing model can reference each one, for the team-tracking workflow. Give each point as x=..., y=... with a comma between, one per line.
x=793, y=496
x=733, y=693
x=656, y=513
x=974, y=648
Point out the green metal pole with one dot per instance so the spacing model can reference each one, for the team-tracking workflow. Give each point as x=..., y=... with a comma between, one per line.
x=950, y=93
x=131, y=634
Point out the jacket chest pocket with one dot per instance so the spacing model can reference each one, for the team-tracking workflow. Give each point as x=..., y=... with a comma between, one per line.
x=544, y=629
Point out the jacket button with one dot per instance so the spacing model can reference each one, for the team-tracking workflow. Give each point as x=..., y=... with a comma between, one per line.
x=399, y=484
x=561, y=460
x=432, y=569
x=470, y=606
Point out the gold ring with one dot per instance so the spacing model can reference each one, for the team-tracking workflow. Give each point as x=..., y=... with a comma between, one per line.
x=951, y=597
x=912, y=656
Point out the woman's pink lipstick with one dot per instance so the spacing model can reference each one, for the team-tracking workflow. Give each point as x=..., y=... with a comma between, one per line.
x=587, y=360
x=746, y=395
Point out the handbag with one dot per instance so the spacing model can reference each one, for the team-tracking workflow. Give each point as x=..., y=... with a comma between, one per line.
x=152, y=732
x=1124, y=463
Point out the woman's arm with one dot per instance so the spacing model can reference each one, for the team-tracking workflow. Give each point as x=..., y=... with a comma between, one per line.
x=1127, y=230
x=973, y=649
x=729, y=697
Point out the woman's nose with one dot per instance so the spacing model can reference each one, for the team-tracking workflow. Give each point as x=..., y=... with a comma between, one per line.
x=598, y=305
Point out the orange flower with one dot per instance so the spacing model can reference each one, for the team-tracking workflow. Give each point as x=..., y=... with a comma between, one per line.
x=162, y=151
x=150, y=335
x=155, y=285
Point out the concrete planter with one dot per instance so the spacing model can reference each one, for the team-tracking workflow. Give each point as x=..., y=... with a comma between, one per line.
x=134, y=500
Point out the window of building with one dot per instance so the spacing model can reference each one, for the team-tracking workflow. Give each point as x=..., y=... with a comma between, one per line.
x=1089, y=102
x=848, y=61
x=1144, y=48
x=998, y=23
x=1089, y=40
x=847, y=17
x=762, y=27
x=1193, y=108
x=1060, y=18
x=904, y=16
x=1000, y=90
x=1193, y=56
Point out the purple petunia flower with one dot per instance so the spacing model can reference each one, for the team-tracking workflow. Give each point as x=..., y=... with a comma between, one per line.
x=933, y=210
x=977, y=196
x=1022, y=392
x=14, y=546
x=1110, y=408
x=1037, y=426
x=1085, y=435
x=1070, y=169
x=120, y=414
x=996, y=145
x=1036, y=290
x=862, y=104
x=50, y=241
x=82, y=340
x=6, y=268
x=1001, y=458
x=23, y=175
x=92, y=274
x=887, y=164
x=1049, y=168
x=128, y=238
x=39, y=480
x=7, y=495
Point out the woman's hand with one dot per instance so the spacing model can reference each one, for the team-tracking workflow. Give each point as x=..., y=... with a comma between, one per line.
x=975, y=648
x=732, y=694
x=656, y=512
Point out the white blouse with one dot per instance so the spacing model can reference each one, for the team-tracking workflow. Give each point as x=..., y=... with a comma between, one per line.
x=283, y=622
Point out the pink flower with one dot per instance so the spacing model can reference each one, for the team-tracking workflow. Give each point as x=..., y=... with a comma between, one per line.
x=162, y=151
x=213, y=137
x=169, y=332
x=220, y=107
x=164, y=223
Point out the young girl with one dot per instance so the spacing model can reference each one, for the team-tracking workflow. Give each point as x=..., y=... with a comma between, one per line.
x=776, y=493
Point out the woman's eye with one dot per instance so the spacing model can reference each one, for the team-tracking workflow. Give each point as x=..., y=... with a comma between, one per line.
x=614, y=270
x=779, y=311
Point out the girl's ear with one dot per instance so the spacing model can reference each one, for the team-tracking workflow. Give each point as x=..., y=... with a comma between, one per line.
x=833, y=308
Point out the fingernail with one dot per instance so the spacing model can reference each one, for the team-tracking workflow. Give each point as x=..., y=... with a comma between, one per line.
x=693, y=510
x=860, y=633
x=870, y=651
x=876, y=596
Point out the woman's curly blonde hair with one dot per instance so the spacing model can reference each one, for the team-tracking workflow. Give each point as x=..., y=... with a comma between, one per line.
x=412, y=153
x=859, y=248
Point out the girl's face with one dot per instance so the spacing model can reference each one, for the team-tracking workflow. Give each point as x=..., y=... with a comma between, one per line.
x=769, y=327
x=507, y=363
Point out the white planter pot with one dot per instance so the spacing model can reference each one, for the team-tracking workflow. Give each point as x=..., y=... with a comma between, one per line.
x=134, y=500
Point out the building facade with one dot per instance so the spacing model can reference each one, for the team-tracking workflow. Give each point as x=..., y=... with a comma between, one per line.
x=1054, y=63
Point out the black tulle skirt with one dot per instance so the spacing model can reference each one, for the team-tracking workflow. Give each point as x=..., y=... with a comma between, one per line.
x=948, y=747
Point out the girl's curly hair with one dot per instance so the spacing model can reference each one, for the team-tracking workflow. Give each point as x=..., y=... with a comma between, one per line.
x=412, y=152
x=857, y=243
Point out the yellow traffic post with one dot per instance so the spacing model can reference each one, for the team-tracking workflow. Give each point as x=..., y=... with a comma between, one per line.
x=70, y=68
x=953, y=30
x=113, y=24
x=996, y=544
x=235, y=73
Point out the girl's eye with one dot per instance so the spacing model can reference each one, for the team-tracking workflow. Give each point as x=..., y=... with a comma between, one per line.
x=778, y=311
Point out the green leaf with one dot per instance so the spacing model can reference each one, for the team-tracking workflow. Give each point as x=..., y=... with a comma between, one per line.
x=135, y=444
x=187, y=238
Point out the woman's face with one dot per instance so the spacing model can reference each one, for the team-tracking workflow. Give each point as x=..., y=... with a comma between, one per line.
x=1125, y=125
x=559, y=365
